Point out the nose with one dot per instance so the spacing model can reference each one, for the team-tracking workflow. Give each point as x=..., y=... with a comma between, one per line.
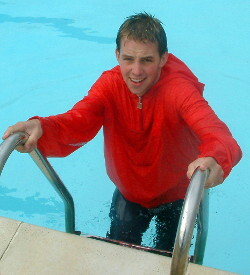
x=137, y=68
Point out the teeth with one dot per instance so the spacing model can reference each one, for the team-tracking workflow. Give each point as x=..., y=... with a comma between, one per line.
x=136, y=80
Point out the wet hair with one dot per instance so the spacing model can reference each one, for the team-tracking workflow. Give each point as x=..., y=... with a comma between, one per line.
x=143, y=27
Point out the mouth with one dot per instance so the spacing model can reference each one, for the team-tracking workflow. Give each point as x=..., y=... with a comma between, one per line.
x=136, y=81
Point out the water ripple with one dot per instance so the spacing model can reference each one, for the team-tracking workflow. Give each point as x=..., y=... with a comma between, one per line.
x=62, y=25
x=29, y=205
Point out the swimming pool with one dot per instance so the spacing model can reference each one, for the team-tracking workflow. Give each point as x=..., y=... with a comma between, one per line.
x=51, y=53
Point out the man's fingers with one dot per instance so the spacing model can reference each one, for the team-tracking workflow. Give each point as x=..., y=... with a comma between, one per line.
x=18, y=127
x=6, y=134
x=33, y=130
x=31, y=143
x=191, y=169
x=215, y=177
x=216, y=174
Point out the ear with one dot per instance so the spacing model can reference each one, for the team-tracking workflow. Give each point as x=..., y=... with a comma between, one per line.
x=164, y=59
x=117, y=54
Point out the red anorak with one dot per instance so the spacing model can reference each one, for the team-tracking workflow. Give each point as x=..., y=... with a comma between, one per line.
x=148, y=149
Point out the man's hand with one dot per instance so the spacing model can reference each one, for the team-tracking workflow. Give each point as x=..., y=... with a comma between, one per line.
x=215, y=171
x=33, y=130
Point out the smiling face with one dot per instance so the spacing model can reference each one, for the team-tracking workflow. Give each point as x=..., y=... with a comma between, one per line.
x=140, y=64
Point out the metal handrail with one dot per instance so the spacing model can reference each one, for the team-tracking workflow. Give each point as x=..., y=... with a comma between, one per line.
x=195, y=203
x=7, y=147
x=202, y=229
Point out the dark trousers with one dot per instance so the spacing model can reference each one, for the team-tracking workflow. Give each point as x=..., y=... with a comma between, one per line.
x=130, y=220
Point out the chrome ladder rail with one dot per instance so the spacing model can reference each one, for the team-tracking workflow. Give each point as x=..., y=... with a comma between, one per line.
x=8, y=146
x=195, y=203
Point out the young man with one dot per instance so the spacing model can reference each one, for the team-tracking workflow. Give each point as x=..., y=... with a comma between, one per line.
x=157, y=130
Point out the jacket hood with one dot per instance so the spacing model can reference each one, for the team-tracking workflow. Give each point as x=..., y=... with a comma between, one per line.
x=175, y=68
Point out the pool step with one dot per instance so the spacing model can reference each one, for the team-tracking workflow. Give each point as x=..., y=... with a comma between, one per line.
x=27, y=249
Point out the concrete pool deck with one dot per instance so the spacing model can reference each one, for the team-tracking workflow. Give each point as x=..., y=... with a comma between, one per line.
x=29, y=249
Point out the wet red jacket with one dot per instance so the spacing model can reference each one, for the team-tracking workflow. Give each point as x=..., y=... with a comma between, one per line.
x=147, y=151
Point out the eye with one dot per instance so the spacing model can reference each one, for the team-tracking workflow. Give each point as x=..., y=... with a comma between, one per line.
x=128, y=58
x=147, y=60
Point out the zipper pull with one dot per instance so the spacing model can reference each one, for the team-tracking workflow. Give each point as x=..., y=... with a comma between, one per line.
x=139, y=103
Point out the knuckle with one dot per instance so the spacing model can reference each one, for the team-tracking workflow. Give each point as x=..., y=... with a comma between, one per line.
x=9, y=129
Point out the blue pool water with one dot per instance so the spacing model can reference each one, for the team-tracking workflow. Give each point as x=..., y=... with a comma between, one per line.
x=50, y=55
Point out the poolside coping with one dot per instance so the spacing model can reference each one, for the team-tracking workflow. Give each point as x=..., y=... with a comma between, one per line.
x=28, y=249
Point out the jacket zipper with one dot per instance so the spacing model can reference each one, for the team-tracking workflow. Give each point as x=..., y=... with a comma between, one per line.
x=139, y=103
x=139, y=106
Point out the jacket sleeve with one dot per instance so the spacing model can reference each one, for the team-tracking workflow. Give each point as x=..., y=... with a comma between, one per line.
x=215, y=138
x=64, y=133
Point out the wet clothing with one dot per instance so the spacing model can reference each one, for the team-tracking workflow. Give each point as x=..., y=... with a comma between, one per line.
x=130, y=220
x=149, y=147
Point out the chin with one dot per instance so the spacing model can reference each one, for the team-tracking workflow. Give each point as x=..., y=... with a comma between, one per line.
x=137, y=93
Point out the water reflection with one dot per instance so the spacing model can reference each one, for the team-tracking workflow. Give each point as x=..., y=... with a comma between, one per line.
x=29, y=205
x=62, y=25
